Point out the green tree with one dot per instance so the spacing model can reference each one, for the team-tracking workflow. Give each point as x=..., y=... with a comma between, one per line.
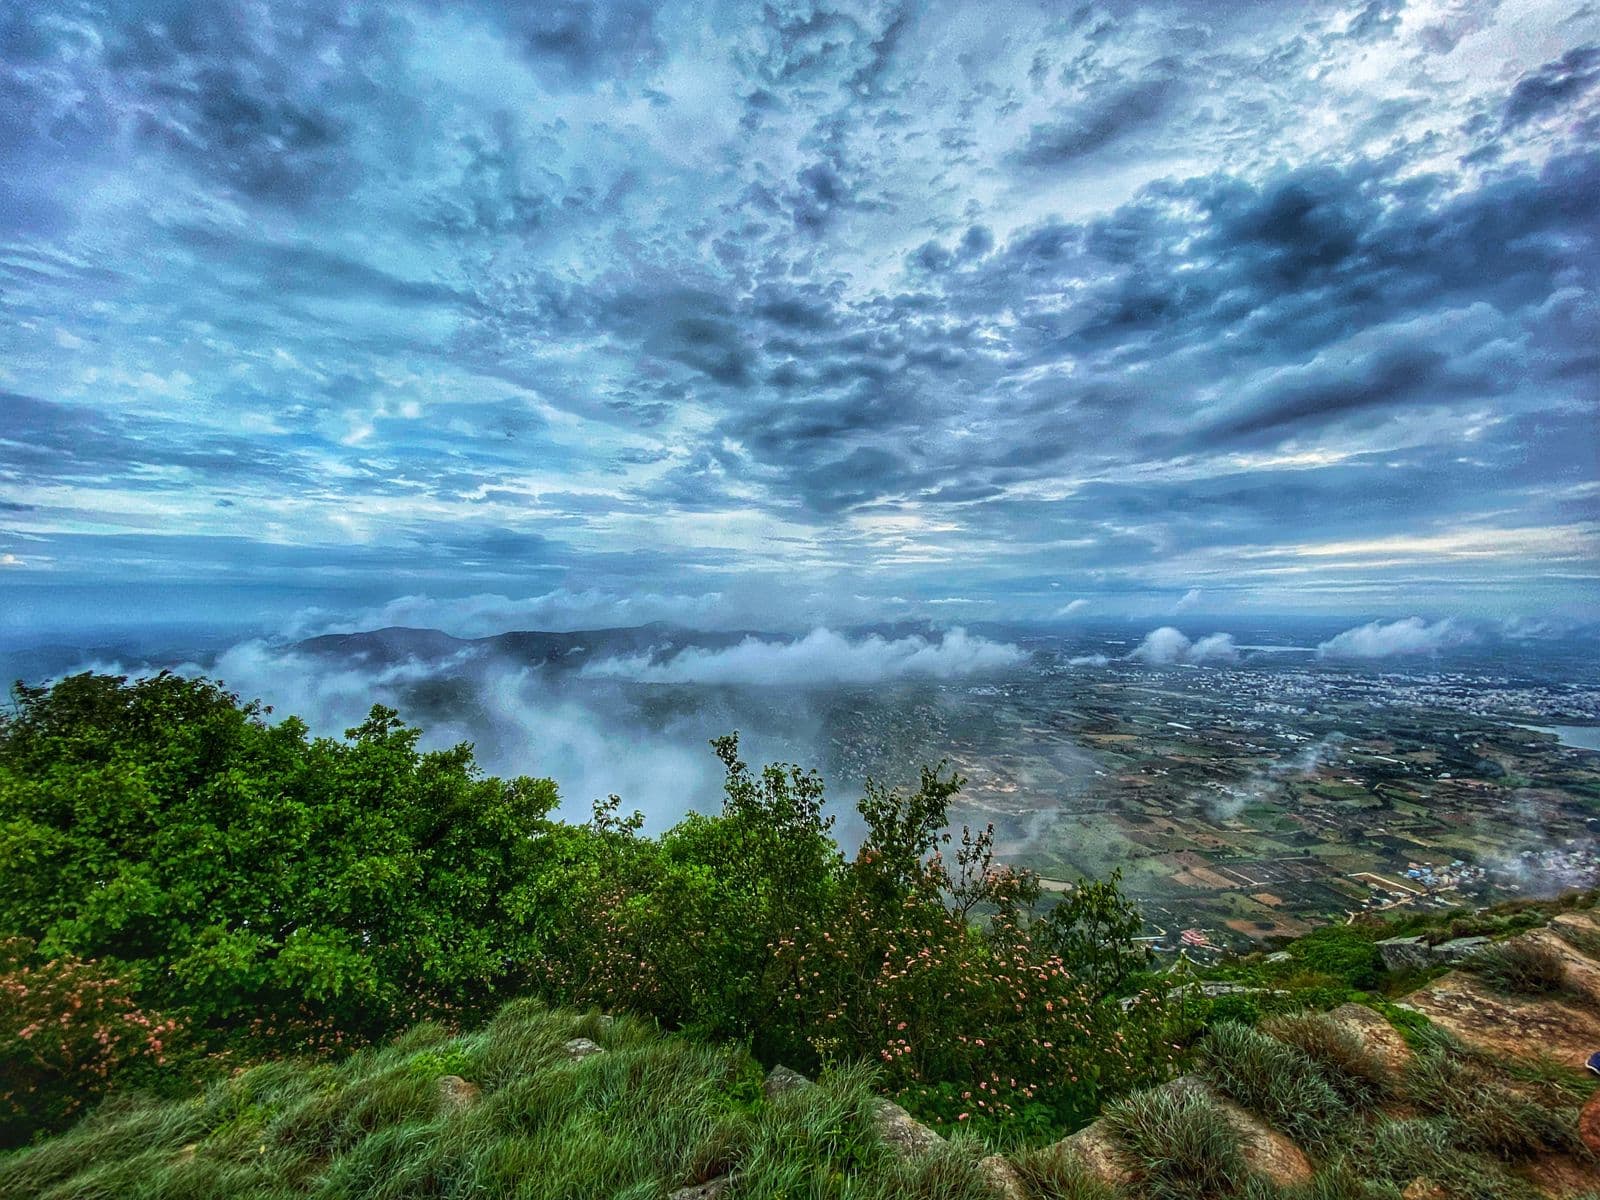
x=1093, y=930
x=239, y=871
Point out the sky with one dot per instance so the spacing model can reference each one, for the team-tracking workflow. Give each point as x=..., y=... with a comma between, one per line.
x=565, y=314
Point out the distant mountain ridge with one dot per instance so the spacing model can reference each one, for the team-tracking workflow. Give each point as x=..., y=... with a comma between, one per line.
x=568, y=649
x=398, y=644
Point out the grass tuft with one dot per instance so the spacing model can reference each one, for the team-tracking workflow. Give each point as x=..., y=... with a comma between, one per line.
x=1277, y=1080
x=1521, y=968
x=1178, y=1144
x=1482, y=1114
x=1360, y=1076
x=1055, y=1173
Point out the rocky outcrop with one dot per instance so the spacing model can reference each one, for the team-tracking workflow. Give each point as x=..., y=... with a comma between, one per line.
x=1563, y=1025
x=456, y=1094
x=1589, y=1123
x=781, y=1080
x=902, y=1132
x=1375, y=1033
x=710, y=1190
x=581, y=1047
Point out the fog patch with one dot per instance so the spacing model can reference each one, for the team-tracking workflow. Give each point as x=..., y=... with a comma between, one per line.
x=821, y=657
x=1262, y=784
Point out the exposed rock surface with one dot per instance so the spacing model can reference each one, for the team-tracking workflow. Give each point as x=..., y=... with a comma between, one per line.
x=1405, y=953
x=1096, y=1149
x=709, y=1190
x=1564, y=1025
x=781, y=1079
x=1458, y=949
x=1265, y=1149
x=1003, y=1178
x=1589, y=1123
x=455, y=1093
x=582, y=1047
x=1376, y=1034
x=903, y=1132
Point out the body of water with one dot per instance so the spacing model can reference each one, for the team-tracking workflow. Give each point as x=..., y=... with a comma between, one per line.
x=1585, y=737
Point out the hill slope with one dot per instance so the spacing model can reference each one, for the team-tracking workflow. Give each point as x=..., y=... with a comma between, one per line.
x=542, y=1103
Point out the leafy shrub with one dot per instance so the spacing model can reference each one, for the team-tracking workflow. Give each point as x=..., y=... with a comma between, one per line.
x=229, y=868
x=1178, y=1144
x=68, y=1030
x=1522, y=967
x=1348, y=953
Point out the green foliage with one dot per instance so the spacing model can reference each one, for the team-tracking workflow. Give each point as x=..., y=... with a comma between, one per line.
x=269, y=888
x=1521, y=968
x=1179, y=1145
x=1093, y=930
x=1347, y=953
x=239, y=871
x=1413, y=1026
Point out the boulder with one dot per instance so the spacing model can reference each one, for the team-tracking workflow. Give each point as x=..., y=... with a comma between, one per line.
x=781, y=1080
x=1459, y=948
x=709, y=1190
x=581, y=1047
x=902, y=1132
x=1405, y=953
x=1003, y=1178
x=1376, y=1034
x=456, y=1094
x=1589, y=1123
x=1095, y=1148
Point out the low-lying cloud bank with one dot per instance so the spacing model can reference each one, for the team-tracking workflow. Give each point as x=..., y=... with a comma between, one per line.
x=821, y=657
x=1378, y=639
x=1164, y=646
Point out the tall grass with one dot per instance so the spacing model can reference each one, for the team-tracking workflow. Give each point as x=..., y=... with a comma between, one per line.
x=1521, y=968
x=651, y=1115
x=1481, y=1113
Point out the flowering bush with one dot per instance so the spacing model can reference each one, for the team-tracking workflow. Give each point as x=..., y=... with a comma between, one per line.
x=68, y=1028
x=919, y=955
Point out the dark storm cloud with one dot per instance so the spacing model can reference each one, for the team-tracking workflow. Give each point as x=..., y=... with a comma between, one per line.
x=580, y=42
x=1099, y=123
x=1553, y=87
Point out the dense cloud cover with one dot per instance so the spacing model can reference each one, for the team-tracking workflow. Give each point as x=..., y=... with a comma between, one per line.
x=806, y=309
